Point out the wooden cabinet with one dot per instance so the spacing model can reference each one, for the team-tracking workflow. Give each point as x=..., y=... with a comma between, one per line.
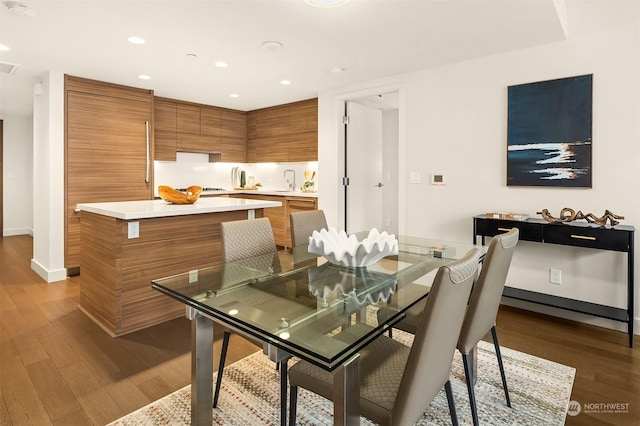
x=295, y=205
x=233, y=135
x=189, y=127
x=165, y=125
x=106, y=149
x=283, y=133
x=276, y=215
x=279, y=216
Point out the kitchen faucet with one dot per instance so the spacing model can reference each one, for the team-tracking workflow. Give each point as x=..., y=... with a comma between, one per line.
x=291, y=185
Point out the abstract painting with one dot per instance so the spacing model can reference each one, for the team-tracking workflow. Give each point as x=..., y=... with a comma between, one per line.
x=549, y=133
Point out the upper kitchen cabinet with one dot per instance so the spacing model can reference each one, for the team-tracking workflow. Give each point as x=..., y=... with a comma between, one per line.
x=107, y=147
x=190, y=135
x=233, y=135
x=207, y=129
x=283, y=133
x=165, y=125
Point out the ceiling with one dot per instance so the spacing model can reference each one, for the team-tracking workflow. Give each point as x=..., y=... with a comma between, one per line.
x=367, y=39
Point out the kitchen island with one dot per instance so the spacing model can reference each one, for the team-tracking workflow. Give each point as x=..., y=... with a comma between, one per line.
x=124, y=245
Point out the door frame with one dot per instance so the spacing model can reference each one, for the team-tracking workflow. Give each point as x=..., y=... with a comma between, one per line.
x=340, y=102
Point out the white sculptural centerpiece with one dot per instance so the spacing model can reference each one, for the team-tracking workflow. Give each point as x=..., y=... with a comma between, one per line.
x=344, y=250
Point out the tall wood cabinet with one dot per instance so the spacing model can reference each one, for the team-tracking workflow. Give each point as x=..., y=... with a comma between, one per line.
x=108, y=150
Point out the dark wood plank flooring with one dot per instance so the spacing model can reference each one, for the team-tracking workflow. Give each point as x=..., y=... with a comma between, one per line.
x=57, y=367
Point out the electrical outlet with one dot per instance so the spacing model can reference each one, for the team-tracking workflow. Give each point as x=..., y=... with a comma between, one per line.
x=388, y=223
x=133, y=229
x=193, y=276
x=555, y=276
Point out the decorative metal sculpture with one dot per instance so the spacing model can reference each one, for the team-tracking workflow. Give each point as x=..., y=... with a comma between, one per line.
x=569, y=215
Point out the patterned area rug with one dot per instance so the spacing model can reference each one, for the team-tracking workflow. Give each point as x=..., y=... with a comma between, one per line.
x=539, y=390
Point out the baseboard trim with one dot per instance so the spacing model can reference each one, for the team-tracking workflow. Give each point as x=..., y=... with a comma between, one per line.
x=17, y=231
x=48, y=276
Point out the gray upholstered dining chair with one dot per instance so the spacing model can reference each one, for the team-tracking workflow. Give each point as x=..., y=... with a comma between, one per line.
x=397, y=382
x=243, y=239
x=304, y=223
x=482, y=310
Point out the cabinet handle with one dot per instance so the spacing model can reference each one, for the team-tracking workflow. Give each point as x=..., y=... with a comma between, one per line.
x=583, y=237
x=310, y=200
x=504, y=229
x=146, y=179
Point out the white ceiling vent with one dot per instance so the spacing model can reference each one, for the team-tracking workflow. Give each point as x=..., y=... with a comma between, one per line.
x=7, y=68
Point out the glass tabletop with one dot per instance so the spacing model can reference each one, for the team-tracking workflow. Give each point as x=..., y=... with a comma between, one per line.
x=308, y=307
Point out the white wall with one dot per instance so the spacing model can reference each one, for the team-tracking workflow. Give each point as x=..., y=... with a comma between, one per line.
x=390, y=169
x=453, y=120
x=48, y=177
x=17, y=175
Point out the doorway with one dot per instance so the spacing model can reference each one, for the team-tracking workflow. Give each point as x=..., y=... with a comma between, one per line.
x=371, y=196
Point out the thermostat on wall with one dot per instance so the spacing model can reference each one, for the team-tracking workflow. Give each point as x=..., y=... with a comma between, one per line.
x=437, y=179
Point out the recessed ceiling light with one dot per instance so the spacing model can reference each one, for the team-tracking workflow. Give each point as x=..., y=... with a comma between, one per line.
x=272, y=45
x=220, y=64
x=144, y=77
x=192, y=55
x=234, y=95
x=285, y=82
x=3, y=47
x=136, y=40
x=326, y=3
x=336, y=70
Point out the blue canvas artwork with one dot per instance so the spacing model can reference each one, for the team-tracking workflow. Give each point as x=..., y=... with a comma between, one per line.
x=549, y=133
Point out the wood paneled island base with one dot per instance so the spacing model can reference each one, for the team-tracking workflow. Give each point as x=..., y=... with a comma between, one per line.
x=116, y=271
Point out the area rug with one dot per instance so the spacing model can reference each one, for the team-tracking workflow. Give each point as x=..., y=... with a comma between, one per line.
x=540, y=391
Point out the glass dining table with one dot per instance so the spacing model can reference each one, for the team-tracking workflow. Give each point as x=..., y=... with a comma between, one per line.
x=301, y=305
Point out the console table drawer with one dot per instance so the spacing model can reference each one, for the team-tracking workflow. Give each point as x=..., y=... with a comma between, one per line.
x=598, y=238
x=491, y=227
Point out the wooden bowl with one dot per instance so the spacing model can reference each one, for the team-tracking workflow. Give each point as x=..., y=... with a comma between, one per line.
x=174, y=196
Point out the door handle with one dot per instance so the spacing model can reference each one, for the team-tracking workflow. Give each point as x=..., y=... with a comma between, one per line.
x=380, y=185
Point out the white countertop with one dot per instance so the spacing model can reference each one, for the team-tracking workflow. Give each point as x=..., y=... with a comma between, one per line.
x=261, y=191
x=145, y=209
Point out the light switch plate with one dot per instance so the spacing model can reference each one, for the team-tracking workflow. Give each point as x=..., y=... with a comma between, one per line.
x=414, y=177
x=133, y=229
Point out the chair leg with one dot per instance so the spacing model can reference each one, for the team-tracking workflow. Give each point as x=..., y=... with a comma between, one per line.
x=494, y=336
x=293, y=405
x=223, y=356
x=466, y=361
x=283, y=392
x=450, y=401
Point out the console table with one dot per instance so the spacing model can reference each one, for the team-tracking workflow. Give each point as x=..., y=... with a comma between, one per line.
x=578, y=234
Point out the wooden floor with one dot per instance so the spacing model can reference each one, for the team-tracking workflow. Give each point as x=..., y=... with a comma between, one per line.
x=57, y=367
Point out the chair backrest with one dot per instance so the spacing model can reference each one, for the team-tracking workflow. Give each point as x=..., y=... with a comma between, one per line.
x=487, y=292
x=434, y=344
x=247, y=238
x=304, y=223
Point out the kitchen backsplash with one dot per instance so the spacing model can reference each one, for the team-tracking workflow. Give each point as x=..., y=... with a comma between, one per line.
x=195, y=169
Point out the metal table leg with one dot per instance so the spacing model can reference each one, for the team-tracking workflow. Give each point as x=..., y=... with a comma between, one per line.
x=346, y=393
x=201, y=368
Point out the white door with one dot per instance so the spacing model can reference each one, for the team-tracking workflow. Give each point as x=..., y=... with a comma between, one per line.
x=364, y=168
